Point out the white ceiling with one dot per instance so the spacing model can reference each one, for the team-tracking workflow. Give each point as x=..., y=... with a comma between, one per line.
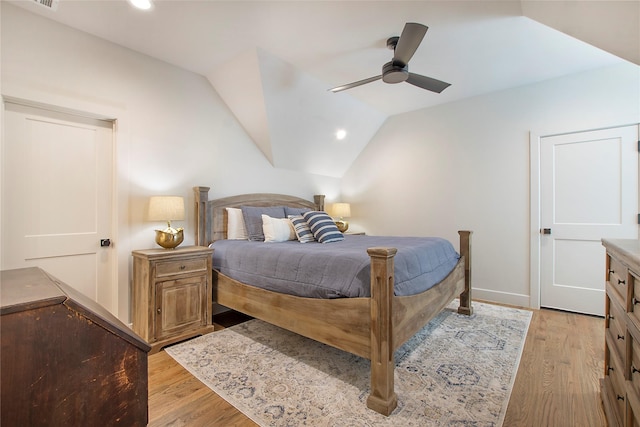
x=478, y=46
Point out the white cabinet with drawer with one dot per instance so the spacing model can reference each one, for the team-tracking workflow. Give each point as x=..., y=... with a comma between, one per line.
x=172, y=295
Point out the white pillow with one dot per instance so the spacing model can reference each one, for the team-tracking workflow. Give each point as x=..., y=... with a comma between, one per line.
x=277, y=229
x=236, y=230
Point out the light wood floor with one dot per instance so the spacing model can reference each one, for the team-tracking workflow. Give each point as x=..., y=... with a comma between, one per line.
x=557, y=384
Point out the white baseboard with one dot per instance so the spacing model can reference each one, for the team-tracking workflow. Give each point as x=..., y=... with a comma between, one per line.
x=501, y=297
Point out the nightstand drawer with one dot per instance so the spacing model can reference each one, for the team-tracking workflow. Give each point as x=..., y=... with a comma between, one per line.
x=185, y=266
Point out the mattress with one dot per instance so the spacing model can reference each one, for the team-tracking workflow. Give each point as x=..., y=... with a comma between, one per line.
x=334, y=270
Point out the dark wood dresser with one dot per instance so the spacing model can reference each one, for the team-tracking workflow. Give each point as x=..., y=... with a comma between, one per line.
x=65, y=360
x=621, y=382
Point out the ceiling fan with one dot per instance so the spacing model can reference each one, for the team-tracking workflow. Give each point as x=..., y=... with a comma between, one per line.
x=397, y=70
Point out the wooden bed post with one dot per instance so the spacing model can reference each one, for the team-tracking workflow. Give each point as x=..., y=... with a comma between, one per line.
x=465, y=250
x=383, y=398
x=318, y=199
x=202, y=196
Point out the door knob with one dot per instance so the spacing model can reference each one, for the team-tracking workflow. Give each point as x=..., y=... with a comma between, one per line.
x=105, y=242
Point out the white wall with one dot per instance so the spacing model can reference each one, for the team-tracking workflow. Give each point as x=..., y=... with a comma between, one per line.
x=174, y=132
x=465, y=165
x=460, y=165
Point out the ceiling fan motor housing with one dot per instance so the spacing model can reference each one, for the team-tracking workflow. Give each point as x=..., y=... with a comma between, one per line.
x=395, y=72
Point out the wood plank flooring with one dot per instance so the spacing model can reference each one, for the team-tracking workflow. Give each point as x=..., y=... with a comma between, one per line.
x=556, y=385
x=558, y=378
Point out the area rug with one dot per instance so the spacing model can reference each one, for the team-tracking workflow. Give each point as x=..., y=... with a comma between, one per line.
x=457, y=371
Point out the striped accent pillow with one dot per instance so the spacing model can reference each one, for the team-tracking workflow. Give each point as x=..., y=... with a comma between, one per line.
x=303, y=232
x=323, y=227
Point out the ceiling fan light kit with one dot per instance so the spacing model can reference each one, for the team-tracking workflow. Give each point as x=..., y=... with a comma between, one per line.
x=397, y=70
x=393, y=72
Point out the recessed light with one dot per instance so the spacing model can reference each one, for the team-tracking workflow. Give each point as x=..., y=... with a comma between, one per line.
x=341, y=134
x=141, y=4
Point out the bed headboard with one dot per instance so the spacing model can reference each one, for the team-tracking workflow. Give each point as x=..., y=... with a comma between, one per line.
x=211, y=215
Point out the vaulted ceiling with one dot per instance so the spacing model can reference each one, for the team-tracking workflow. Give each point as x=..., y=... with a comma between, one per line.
x=272, y=62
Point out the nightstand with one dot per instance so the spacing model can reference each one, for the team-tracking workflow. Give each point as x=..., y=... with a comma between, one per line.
x=172, y=294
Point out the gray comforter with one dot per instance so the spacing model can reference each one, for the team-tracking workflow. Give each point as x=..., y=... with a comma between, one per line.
x=333, y=270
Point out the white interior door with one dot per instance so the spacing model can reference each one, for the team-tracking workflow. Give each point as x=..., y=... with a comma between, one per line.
x=57, y=198
x=588, y=191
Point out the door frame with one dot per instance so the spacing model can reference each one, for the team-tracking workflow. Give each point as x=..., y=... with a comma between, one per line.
x=534, y=204
x=120, y=174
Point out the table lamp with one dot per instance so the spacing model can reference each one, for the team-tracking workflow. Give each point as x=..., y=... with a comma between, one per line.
x=341, y=211
x=167, y=208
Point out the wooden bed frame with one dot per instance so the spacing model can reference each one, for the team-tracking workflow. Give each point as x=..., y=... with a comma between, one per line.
x=372, y=328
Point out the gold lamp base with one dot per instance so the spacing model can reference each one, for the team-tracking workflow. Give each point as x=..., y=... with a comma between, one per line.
x=169, y=238
x=342, y=225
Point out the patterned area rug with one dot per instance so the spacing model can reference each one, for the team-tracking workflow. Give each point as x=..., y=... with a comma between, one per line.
x=457, y=371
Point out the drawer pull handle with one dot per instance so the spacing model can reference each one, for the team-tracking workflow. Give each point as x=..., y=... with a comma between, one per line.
x=621, y=282
x=635, y=301
x=633, y=369
x=611, y=271
x=610, y=369
x=620, y=397
x=182, y=267
x=609, y=316
x=621, y=337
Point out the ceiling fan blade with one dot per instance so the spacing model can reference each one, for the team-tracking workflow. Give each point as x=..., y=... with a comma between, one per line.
x=410, y=39
x=427, y=83
x=355, y=84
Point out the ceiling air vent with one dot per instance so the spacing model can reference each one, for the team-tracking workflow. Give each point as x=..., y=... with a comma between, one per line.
x=49, y=4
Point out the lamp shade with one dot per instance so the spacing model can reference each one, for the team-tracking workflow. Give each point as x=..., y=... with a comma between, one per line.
x=166, y=208
x=341, y=210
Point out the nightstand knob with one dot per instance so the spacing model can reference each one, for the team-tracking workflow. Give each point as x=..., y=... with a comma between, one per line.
x=634, y=370
x=621, y=337
x=159, y=310
x=621, y=282
x=182, y=267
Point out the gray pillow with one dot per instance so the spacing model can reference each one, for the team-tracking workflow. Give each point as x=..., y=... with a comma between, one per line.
x=295, y=211
x=253, y=219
